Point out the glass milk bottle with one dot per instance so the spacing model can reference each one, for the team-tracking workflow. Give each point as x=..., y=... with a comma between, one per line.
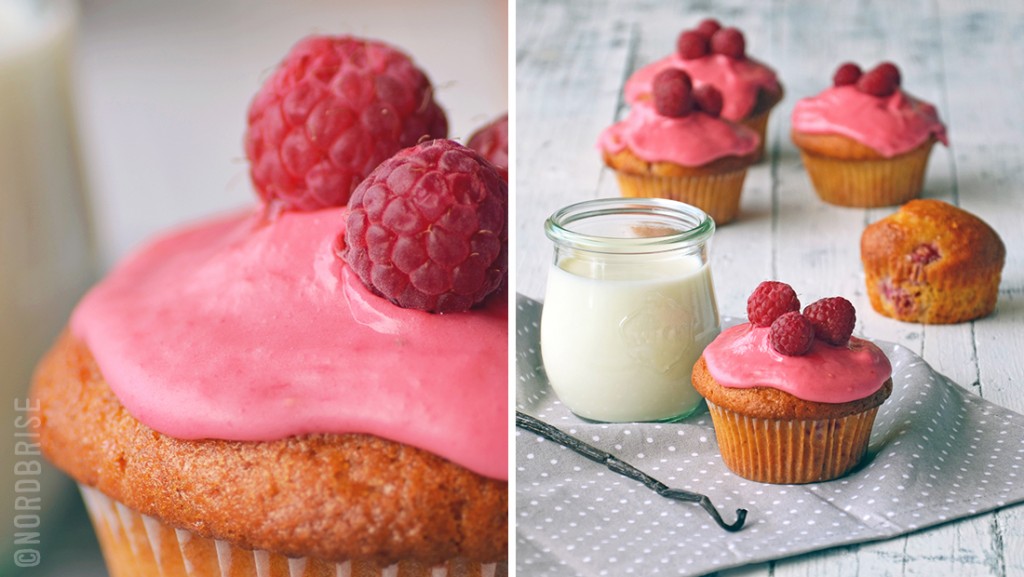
x=629, y=308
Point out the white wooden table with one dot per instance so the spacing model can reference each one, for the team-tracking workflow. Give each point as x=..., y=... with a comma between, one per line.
x=967, y=58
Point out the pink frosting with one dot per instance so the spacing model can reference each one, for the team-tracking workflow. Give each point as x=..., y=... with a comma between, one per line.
x=253, y=330
x=890, y=125
x=739, y=80
x=693, y=140
x=741, y=357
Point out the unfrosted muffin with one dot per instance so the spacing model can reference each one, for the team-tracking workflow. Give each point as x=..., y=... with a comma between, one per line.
x=931, y=262
x=306, y=388
x=865, y=142
x=717, y=56
x=792, y=395
x=675, y=145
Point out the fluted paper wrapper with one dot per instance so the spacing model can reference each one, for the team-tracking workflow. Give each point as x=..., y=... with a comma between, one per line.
x=718, y=194
x=136, y=545
x=791, y=451
x=869, y=183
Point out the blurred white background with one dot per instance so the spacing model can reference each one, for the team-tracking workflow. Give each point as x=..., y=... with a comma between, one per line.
x=160, y=92
x=164, y=88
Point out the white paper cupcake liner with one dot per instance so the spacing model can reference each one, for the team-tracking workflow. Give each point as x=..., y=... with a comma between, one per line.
x=791, y=451
x=137, y=545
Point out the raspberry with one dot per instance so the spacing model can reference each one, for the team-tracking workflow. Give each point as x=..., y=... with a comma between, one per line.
x=708, y=27
x=335, y=108
x=491, y=141
x=428, y=229
x=707, y=98
x=883, y=80
x=770, y=300
x=924, y=254
x=729, y=42
x=833, y=319
x=847, y=73
x=692, y=44
x=672, y=93
x=791, y=334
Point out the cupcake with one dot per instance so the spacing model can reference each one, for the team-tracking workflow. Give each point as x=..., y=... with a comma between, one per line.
x=315, y=386
x=865, y=142
x=675, y=145
x=792, y=395
x=714, y=55
x=491, y=141
x=931, y=262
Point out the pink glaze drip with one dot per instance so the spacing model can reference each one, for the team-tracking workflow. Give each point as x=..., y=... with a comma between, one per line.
x=243, y=329
x=741, y=357
x=890, y=125
x=693, y=140
x=738, y=80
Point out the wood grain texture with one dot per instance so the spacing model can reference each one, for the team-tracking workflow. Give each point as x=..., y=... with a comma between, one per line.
x=963, y=56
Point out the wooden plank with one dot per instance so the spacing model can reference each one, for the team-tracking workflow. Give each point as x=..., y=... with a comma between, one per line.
x=571, y=61
x=989, y=152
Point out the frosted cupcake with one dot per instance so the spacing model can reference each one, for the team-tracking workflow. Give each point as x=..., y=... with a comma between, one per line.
x=714, y=55
x=316, y=386
x=865, y=142
x=675, y=145
x=792, y=395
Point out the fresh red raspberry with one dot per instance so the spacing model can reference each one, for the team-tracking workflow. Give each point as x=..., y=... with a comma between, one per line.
x=491, y=141
x=672, y=90
x=708, y=27
x=882, y=80
x=847, y=73
x=791, y=334
x=833, y=319
x=692, y=44
x=707, y=98
x=729, y=42
x=428, y=229
x=335, y=108
x=770, y=300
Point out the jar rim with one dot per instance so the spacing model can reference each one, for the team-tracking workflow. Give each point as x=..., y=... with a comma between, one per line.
x=697, y=225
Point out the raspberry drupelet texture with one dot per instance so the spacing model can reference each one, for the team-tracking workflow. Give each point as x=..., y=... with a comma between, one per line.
x=709, y=26
x=491, y=141
x=791, y=334
x=770, y=300
x=882, y=80
x=693, y=44
x=333, y=110
x=708, y=99
x=848, y=73
x=729, y=42
x=428, y=229
x=833, y=319
x=673, y=93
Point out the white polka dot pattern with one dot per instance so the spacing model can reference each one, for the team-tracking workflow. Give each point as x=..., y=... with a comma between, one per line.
x=937, y=453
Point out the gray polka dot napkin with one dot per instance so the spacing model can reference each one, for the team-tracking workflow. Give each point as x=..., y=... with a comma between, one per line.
x=937, y=453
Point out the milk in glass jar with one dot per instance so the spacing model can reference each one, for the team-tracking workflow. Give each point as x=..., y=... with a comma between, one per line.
x=629, y=308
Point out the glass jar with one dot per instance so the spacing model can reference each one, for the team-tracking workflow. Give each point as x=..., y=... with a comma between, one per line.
x=629, y=307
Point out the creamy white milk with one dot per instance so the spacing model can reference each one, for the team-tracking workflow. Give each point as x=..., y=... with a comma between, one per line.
x=619, y=339
x=45, y=256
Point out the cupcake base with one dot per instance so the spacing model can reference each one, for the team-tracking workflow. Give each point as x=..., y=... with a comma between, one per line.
x=855, y=179
x=136, y=545
x=716, y=194
x=791, y=451
x=914, y=298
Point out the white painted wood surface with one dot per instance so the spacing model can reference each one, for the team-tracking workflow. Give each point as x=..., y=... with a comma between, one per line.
x=966, y=57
